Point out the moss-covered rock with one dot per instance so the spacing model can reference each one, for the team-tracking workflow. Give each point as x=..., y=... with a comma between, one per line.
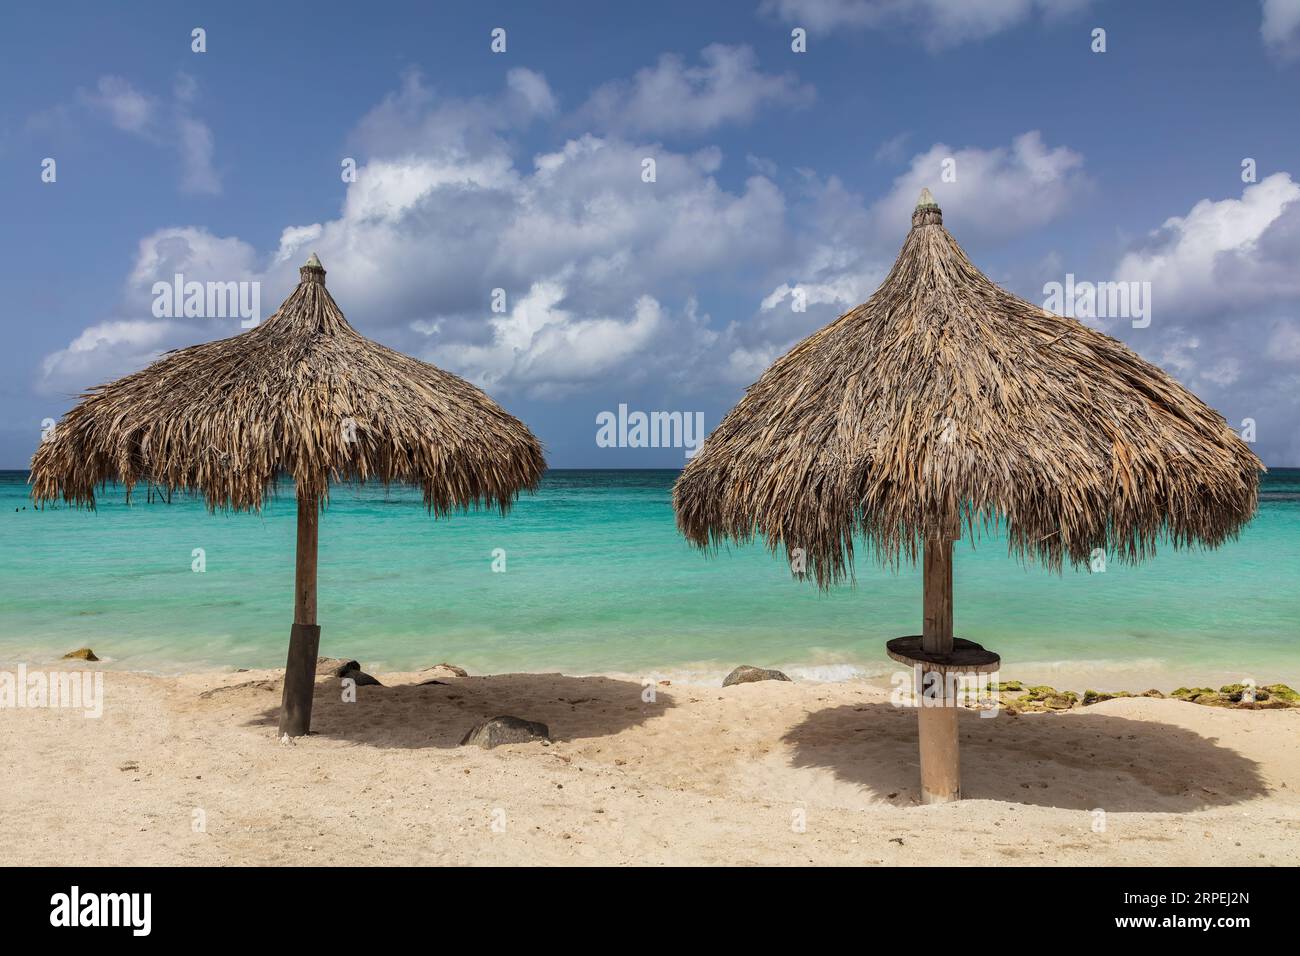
x=1043, y=697
x=1267, y=697
x=1283, y=693
x=1096, y=696
x=1215, y=699
x=80, y=654
x=1191, y=693
x=1237, y=692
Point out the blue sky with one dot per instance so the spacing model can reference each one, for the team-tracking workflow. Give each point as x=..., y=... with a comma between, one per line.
x=521, y=170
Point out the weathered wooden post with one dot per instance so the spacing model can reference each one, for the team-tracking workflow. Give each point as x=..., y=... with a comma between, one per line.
x=937, y=720
x=939, y=662
x=304, y=639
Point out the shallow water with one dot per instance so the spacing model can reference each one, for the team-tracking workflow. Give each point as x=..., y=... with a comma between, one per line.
x=597, y=579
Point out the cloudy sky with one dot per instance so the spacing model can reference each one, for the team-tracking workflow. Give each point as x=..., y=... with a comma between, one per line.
x=523, y=170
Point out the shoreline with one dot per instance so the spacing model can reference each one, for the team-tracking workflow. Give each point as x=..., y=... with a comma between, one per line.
x=1078, y=676
x=188, y=770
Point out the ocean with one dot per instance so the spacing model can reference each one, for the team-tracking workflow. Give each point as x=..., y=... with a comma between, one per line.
x=591, y=576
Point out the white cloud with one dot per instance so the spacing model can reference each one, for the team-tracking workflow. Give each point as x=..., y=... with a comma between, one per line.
x=996, y=192
x=671, y=97
x=939, y=23
x=1225, y=307
x=109, y=348
x=1280, y=27
x=546, y=349
x=533, y=90
x=1224, y=254
x=134, y=338
x=191, y=251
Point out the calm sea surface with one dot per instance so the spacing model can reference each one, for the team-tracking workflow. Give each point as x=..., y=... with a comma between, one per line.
x=597, y=579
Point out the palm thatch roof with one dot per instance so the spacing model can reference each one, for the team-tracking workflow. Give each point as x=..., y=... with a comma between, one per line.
x=301, y=395
x=945, y=401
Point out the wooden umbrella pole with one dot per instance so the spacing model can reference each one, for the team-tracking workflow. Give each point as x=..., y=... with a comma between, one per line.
x=304, y=639
x=937, y=724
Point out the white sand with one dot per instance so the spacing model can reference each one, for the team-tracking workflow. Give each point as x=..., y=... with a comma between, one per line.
x=702, y=775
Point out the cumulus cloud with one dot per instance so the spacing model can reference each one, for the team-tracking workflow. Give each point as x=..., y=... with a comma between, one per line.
x=1225, y=254
x=1225, y=307
x=1280, y=27
x=597, y=265
x=108, y=349
x=672, y=97
x=544, y=347
x=995, y=192
x=168, y=124
x=939, y=23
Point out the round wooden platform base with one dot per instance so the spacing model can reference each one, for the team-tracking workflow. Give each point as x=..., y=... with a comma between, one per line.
x=965, y=655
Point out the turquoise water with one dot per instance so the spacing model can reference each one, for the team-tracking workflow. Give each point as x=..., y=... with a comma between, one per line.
x=598, y=580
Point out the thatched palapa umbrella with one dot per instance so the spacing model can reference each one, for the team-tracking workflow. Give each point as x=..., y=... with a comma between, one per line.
x=945, y=402
x=301, y=395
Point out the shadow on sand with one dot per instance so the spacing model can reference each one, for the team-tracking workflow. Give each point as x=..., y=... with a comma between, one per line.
x=1074, y=761
x=438, y=715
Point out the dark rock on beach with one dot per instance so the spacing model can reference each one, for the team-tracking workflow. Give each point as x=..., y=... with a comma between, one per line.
x=744, y=674
x=335, y=666
x=505, y=730
x=80, y=654
x=342, y=667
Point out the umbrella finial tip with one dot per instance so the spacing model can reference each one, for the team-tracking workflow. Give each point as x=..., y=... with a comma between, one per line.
x=926, y=198
x=313, y=262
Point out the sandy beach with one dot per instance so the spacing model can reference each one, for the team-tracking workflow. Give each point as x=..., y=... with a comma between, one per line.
x=188, y=770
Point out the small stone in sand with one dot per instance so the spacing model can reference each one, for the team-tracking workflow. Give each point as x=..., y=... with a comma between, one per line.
x=745, y=674
x=80, y=654
x=447, y=670
x=505, y=730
